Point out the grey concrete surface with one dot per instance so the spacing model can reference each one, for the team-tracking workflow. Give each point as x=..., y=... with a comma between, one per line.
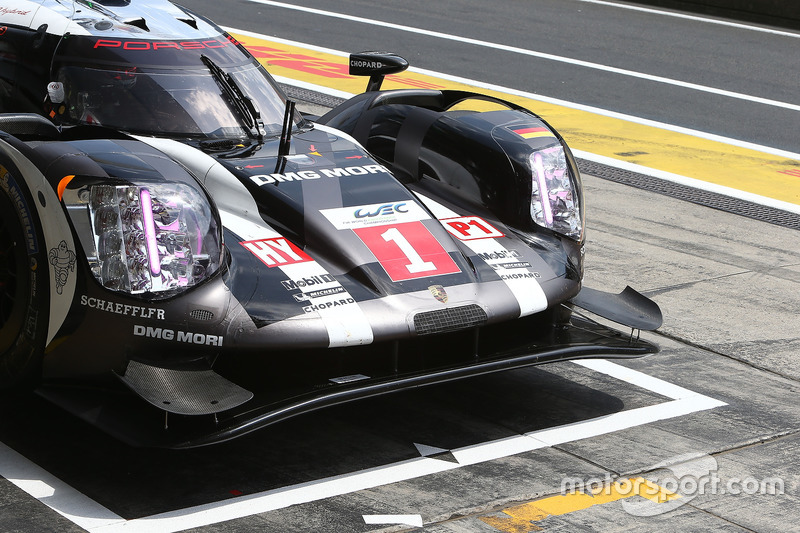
x=727, y=285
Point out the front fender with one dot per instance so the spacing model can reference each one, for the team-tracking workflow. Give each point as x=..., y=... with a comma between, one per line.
x=49, y=215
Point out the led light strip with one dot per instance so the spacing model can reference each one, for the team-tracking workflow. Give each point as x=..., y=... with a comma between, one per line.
x=544, y=192
x=150, y=231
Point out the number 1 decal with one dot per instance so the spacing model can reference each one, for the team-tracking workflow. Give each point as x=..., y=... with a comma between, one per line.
x=407, y=251
x=417, y=264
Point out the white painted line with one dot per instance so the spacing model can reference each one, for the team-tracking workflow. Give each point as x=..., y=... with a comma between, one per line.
x=639, y=379
x=516, y=92
x=706, y=20
x=496, y=449
x=244, y=506
x=413, y=520
x=539, y=55
x=624, y=420
x=51, y=491
x=95, y=518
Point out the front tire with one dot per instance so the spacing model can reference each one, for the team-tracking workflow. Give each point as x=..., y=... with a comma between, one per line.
x=23, y=286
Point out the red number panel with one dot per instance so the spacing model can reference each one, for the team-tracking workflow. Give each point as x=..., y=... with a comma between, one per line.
x=407, y=251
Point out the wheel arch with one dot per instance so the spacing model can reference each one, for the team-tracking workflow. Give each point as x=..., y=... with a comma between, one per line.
x=51, y=220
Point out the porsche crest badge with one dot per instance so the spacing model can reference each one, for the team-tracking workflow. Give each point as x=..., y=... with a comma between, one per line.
x=439, y=293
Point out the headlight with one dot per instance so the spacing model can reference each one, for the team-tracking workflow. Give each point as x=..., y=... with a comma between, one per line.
x=555, y=196
x=146, y=237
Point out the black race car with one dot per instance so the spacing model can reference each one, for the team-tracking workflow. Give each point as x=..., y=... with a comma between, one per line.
x=185, y=258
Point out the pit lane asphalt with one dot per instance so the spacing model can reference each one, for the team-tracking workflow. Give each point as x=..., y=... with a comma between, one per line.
x=728, y=287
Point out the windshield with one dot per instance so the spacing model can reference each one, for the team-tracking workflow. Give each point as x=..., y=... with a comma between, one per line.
x=180, y=98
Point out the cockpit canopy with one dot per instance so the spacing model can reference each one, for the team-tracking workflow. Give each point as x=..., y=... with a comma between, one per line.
x=208, y=88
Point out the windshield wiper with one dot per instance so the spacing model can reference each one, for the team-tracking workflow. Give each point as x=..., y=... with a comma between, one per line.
x=242, y=104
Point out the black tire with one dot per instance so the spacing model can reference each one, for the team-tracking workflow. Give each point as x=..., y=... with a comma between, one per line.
x=23, y=286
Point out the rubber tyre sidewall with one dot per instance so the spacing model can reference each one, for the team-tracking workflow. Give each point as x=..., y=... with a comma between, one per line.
x=21, y=353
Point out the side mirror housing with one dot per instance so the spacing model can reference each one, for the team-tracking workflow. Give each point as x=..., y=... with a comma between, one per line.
x=376, y=65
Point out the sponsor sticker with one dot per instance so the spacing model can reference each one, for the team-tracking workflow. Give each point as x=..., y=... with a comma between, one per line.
x=514, y=272
x=336, y=172
x=471, y=228
x=313, y=280
x=364, y=216
x=320, y=292
x=518, y=264
x=177, y=336
x=122, y=309
x=63, y=261
x=276, y=252
x=13, y=11
x=310, y=283
x=307, y=296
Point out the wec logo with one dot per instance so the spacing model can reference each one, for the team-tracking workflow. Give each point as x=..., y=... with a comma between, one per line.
x=364, y=216
x=384, y=210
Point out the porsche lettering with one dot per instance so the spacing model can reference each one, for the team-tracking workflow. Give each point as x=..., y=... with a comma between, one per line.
x=160, y=45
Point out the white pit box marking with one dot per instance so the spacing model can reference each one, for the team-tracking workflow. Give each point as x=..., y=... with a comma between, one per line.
x=95, y=518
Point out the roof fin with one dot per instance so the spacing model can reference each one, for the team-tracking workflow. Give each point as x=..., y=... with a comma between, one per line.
x=138, y=22
x=190, y=21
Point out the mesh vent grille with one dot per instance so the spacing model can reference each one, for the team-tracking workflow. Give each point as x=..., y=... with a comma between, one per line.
x=452, y=319
x=201, y=314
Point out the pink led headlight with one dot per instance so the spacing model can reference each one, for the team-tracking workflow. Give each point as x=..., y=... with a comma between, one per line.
x=150, y=232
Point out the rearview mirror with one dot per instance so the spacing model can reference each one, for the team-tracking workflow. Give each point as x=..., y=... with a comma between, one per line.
x=376, y=65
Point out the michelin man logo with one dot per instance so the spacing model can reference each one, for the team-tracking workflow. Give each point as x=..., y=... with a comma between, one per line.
x=63, y=261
